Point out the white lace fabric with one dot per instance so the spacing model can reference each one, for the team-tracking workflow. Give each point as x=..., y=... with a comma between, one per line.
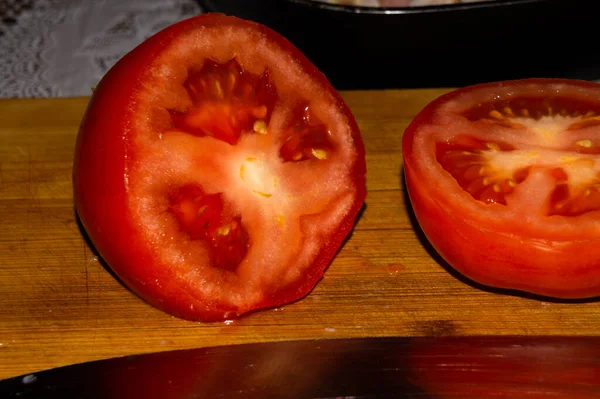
x=62, y=48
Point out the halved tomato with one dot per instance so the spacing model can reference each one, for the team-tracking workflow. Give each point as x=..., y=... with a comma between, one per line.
x=217, y=171
x=504, y=180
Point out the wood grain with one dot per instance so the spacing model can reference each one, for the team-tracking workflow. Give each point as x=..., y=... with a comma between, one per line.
x=60, y=305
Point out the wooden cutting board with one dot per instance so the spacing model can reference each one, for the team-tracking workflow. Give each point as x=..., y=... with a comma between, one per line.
x=59, y=304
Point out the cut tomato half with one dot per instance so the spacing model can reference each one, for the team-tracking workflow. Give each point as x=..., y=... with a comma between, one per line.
x=504, y=179
x=217, y=171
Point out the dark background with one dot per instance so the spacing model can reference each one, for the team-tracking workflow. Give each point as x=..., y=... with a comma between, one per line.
x=442, y=46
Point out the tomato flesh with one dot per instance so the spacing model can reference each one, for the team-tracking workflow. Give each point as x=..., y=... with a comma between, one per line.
x=217, y=171
x=519, y=163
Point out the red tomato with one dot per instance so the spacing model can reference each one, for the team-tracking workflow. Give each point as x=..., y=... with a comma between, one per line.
x=504, y=179
x=217, y=171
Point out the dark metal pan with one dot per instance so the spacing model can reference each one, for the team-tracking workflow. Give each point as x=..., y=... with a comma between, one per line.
x=452, y=45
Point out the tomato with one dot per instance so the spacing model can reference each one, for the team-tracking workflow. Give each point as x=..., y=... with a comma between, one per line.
x=504, y=180
x=216, y=169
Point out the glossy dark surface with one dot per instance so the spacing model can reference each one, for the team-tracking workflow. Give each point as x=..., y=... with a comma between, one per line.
x=441, y=46
x=434, y=367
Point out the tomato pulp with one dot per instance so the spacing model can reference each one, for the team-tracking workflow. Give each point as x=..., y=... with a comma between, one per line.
x=216, y=170
x=504, y=180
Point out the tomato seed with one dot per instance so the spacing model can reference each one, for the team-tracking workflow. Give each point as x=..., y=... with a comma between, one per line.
x=266, y=195
x=496, y=114
x=260, y=127
x=232, y=80
x=319, y=154
x=224, y=230
x=219, y=90
x=492, y=146
x=584, y=143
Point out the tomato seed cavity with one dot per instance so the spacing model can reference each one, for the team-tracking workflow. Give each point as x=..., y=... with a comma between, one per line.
x=226, y=102
x=479, y=171
x=202, y=217
x=306, y=138
x=508, y=112
x=466, y=159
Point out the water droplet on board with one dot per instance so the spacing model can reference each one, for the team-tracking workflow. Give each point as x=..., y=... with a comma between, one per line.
x=28, y=379
x=395, y=268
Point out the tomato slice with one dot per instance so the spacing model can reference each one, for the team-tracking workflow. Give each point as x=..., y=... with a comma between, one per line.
x=217, y=171
x=504, y=180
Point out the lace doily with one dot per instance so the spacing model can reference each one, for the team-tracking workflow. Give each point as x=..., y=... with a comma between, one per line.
x=62, y=48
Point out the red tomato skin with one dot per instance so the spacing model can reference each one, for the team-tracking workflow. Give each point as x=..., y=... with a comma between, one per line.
x=100, y=187
x=498, y=254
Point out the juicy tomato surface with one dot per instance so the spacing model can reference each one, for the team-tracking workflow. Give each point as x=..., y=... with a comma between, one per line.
x=504, y=180
x=216, y=169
